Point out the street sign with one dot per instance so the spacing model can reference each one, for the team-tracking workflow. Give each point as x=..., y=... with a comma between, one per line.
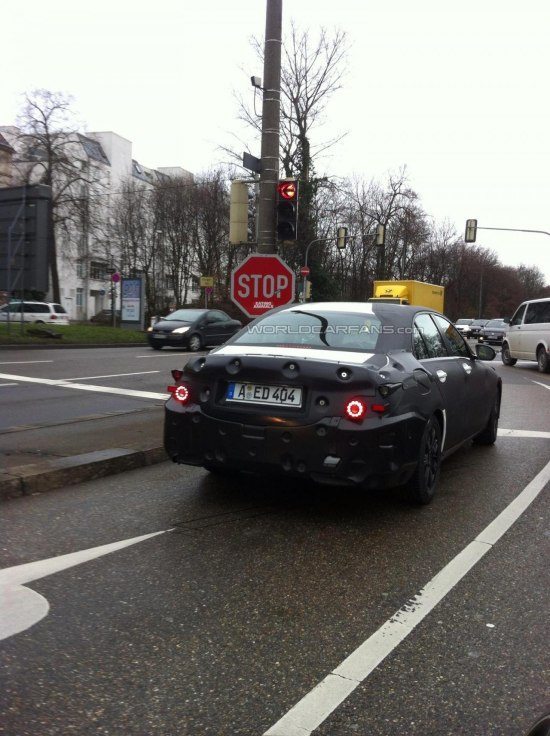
x=206, y=281
x=260, y=283
x=115, y=277
x=304, y=271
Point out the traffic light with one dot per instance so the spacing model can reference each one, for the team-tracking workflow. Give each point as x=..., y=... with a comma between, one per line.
x=308, y=289
x=238, y=213
x=341, y=237
x=471, y=231
x=287, y=209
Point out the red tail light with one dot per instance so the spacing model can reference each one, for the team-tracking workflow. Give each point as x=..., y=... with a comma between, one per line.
x=356, y=409
x=53, y=316
x=180, y=393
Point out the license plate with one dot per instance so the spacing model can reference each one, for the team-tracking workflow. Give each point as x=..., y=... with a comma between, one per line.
x=159, y=336
x=254, y=393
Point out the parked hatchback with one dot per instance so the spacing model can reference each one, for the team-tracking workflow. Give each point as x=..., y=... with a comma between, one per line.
x=528, y=335
x=37, y=312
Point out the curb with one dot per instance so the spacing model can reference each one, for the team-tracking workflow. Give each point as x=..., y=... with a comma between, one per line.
x=27, y=480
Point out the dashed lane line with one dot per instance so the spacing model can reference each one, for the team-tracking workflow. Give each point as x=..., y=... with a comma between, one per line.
x=63, y=383
x=24, y=362
x=544, y=385
x=317, y=705
x=523, y=433
x=110, y=375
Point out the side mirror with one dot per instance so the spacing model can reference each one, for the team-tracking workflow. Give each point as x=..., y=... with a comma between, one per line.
x=485, y=352
x=506, y=319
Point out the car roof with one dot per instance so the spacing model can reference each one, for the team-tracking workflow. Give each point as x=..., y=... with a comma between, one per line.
x=360, y=307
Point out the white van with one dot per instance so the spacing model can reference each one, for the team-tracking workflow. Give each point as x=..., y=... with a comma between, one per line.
x=528, y=335
x=37, y=312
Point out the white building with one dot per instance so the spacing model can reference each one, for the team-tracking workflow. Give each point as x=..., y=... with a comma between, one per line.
x=84, y=254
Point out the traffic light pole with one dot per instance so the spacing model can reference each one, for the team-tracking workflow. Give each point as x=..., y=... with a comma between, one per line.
x=269, y=175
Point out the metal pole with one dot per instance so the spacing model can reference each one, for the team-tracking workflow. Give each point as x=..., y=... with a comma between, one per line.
x=514, y=230
x=269, y=175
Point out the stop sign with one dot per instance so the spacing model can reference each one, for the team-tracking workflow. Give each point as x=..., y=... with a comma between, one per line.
x=260, y=283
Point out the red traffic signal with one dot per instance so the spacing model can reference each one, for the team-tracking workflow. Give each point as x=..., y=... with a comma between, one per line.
x=287, y=209
x=288, y=189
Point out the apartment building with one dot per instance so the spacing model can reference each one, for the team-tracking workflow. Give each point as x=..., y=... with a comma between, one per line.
x=86, y=251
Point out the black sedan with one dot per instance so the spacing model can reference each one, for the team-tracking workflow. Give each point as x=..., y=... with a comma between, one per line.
x=494, y=331
x=476, y=327
x=193, y=329
x=365, y=394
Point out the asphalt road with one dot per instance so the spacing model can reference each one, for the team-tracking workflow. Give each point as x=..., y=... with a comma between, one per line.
x=254, y=592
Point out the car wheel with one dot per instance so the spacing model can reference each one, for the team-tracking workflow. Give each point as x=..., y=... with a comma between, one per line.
x=542, y=360
x=505, y=355
x=195, y=343
x=488, y=436
x=422, y=484
x=39, y=322
x=156, y=346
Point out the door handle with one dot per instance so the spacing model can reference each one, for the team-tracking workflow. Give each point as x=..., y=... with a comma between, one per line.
x=467, y=368
x=441, y=375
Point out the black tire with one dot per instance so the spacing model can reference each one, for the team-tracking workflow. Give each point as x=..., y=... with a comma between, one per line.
x=422, y=484
x=505, y=355
x=195, y=343
x=156, y=346
x=543, y=361
x=488, y=435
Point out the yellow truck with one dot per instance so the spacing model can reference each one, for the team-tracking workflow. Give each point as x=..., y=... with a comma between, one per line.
x=416, y=293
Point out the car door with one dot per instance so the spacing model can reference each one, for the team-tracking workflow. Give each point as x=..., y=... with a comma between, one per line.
x=535, y=328
x=447, y=374
x=478, y=398
x=213, y=330
x=513, y=333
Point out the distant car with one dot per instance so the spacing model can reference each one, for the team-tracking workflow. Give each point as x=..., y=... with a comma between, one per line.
x=476, y=327
x=105, y=317
x=463, y=326
x=358, y=394
x=494, y=331
x=193, y=329
x=528, y=335
x=48, y=313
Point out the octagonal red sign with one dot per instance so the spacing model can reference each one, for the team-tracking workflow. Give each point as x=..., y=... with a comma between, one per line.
x=260, y=283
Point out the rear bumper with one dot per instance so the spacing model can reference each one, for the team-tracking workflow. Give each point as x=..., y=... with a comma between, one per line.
x=380, y=453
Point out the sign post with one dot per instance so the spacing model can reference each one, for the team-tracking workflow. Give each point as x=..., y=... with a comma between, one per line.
x=207, y=283
x=260, y=283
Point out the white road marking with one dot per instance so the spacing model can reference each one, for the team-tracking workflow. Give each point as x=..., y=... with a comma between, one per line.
x=25, y=362
x=544, y=385
x=20, y=607
x=168, y=355
x=110, y=375
x=62, y=383
x=319, y=703
x=8, y=384
x=523, y=433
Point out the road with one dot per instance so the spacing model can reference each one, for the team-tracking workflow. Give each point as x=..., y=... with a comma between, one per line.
x=251, y=594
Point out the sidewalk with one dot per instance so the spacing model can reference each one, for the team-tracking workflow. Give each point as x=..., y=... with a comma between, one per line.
x=48, y=457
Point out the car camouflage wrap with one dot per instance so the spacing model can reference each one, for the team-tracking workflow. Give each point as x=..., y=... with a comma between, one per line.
x=309, y=403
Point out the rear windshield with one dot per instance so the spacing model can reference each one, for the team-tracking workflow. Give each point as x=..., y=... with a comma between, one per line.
x=464, y=321
x=186, y=315
x=316, y=329
x=496, y=323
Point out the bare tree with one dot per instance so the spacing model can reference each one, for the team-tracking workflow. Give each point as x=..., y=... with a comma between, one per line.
x=47, y=156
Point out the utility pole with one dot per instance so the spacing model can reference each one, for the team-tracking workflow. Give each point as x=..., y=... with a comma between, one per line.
x=269, y=175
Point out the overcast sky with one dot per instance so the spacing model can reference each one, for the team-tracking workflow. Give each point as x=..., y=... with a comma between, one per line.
x=458, y=92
